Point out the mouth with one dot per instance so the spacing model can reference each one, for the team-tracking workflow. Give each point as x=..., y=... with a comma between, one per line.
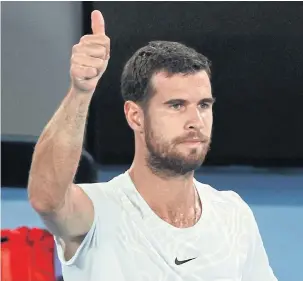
x=192, y=142
x=195, y=140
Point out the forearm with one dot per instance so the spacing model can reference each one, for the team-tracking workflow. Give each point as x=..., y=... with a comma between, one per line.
x=57, y=153
x=58, y=150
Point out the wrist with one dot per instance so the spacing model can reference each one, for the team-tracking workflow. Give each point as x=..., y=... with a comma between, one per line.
x=78, y=91
x=77, y=101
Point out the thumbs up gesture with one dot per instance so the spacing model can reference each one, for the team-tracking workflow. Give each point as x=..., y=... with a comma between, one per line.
x=90, y=57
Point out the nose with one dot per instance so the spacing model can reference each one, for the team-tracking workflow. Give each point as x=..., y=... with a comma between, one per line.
x=195, y=119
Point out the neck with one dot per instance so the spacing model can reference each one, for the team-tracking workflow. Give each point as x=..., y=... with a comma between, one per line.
x=171, y=198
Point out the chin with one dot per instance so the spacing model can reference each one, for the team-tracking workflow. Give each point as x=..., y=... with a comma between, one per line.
x=194, y=154
x=195, y=159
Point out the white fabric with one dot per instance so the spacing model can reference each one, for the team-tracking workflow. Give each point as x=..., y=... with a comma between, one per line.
x=129, y=242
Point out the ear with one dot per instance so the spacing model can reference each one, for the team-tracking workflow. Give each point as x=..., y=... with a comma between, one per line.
x=134, y=116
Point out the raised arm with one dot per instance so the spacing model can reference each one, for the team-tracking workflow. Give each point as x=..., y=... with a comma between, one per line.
x=66, y=209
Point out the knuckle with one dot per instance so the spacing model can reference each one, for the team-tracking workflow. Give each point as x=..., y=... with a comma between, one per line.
x=85, y=38
x=75, y=48
x=100, y=63
x=100, y=39
x=74, y=58
x=107, y=40
x=84, y=72
x=73, y=71
x=102, y=52
x=91, y=72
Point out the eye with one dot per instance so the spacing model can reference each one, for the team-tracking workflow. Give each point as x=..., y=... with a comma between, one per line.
x=204, y=105
x=176, y=106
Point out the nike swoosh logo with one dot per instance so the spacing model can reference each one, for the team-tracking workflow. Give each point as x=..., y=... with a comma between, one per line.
x=177, y=262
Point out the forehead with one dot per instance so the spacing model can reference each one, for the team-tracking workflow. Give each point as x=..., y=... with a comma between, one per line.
x=186, y=86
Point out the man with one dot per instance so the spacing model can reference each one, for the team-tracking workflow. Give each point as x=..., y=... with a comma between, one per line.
x=155, y=221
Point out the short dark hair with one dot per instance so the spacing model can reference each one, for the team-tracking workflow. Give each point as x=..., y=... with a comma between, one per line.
x=171, y=57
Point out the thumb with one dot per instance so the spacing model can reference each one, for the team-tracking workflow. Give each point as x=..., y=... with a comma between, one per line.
x=97, y=22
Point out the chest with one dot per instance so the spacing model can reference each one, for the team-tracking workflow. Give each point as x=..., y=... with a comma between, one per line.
x=144, y=253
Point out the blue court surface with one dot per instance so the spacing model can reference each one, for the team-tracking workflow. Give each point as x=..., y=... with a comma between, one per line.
x=275, y=196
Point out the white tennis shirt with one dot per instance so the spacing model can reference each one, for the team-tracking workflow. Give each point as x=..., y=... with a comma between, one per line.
x=129, y=242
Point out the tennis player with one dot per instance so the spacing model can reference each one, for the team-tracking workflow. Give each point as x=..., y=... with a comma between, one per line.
x=155, y=221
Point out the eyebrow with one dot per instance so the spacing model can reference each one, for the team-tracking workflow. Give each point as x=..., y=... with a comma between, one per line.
x=182, y=101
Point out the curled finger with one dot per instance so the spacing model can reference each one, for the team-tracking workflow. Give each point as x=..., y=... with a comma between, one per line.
x=80, y=72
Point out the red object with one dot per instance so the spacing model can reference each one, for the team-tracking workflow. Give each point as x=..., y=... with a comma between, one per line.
x=27, y=254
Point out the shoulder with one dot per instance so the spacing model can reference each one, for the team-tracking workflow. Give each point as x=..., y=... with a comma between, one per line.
x=105, y=194
x=105, y=188
x=230, y=209
x=227, y=199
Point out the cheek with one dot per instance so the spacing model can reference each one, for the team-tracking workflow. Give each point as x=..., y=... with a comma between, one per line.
x=163, y=128
x=171, y=127
x=208, y=120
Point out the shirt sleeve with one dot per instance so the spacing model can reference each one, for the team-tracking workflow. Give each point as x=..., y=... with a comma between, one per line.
x=257, y=265
x=89, y=241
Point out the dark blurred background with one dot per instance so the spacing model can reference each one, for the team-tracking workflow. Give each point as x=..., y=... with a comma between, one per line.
x=256, y=52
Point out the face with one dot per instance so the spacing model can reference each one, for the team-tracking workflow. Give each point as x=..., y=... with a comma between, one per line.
x=178, y=123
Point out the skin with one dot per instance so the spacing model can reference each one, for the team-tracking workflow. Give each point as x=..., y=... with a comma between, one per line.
x=66, y=210
x=172, y=138
x=163, y=165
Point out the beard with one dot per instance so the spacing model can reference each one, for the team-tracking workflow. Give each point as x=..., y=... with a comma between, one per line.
x=165, y=160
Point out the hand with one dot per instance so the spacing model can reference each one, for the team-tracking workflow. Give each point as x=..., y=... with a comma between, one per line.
x=90, y=57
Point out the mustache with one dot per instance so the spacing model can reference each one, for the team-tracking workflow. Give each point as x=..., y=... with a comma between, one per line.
x=198, y=136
